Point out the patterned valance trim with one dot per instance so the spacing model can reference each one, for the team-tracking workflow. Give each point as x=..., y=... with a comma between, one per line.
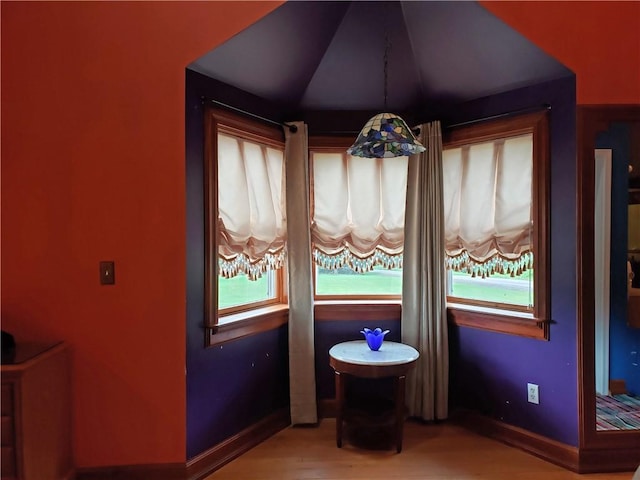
x=346, y=258
x=230, y=267
x=494, y=264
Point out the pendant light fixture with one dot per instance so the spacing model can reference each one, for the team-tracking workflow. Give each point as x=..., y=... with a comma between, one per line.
x=385, y=135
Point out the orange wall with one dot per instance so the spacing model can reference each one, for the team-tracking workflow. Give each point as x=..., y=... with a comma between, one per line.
x=93, y=169
x=598, y=40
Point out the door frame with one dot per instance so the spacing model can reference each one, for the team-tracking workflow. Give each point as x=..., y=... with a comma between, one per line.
x=598, y=450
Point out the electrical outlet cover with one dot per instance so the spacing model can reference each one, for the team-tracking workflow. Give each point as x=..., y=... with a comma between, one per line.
x=533, y=393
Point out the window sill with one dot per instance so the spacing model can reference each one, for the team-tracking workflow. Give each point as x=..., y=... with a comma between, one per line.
x=495, y=320
x=242, y=324
x=368, y=310
x=498, y=312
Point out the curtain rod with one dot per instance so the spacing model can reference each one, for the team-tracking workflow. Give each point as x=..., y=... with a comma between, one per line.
x=544, y=106
x=416, y=130
x=292, y=128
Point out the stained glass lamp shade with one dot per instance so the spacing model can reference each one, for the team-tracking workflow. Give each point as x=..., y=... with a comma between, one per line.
x=385, y=135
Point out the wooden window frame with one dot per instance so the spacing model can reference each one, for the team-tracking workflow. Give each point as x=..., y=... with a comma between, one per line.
x=470, y=313
x=257, y=316
x=327, y=144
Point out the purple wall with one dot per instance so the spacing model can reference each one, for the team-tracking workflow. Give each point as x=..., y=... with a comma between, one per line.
x=490, y=371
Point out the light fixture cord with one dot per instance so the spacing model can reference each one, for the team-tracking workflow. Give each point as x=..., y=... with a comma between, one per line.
x=387, y=45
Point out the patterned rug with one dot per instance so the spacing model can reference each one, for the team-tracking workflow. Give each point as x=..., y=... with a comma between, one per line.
x=617, y=412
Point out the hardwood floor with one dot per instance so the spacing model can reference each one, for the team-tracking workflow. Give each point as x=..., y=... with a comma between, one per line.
x=430, y=452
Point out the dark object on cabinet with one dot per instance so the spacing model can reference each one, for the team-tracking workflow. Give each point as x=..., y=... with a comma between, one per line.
x=7, y=341
x=8, y=347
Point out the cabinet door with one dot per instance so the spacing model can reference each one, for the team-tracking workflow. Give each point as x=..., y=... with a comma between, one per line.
x=8, y=458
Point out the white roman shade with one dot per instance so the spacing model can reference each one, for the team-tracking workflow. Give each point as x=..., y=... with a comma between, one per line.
x=358, y=211
x=488, y=206
x=251, y=207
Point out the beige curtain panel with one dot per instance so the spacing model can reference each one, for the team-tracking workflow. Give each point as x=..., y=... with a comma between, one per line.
x=358, y=210
x=424, y=312
x=487, y=190
x=251, y=207
x=302, y=376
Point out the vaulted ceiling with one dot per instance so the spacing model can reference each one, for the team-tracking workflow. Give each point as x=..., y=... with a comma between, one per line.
x=329, y=56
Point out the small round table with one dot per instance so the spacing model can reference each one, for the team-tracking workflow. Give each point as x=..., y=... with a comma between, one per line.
x=356, y=359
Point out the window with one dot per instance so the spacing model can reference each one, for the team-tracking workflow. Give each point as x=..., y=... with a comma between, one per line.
x=345, y=282
x=240, y=292
x=357, y=225
x=245, y=218
x=496, y=209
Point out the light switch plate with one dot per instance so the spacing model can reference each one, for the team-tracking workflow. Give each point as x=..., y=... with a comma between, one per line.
x=107, y=273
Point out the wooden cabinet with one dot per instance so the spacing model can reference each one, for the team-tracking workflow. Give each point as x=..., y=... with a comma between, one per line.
x=36, y=413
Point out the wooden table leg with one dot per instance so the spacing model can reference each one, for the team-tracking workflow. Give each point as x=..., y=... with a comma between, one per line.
x=339, y=407
x=400, y=386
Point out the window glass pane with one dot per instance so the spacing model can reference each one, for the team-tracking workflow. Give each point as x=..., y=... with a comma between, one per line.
x=497, y=288
x=344, y=281
x=239, y=290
